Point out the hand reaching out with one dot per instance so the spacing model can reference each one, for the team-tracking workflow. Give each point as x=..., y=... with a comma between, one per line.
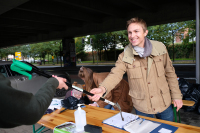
x=98, y=92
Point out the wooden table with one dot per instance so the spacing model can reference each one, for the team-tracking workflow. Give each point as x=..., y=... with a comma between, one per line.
x=96, y=115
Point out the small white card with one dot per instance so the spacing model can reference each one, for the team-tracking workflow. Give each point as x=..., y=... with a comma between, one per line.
x=164, y=130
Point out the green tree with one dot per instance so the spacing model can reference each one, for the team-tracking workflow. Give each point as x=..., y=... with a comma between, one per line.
x=79, y=45
x=160, y=33
x=166, y=33
x=3, y=53
x=99, y=42
x=45, y=48
x=123, y=38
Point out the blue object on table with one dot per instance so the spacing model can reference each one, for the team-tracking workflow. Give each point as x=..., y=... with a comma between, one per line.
x=166, y=126
x=142, y=121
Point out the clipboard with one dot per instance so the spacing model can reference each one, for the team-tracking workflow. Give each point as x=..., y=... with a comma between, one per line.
x=134, y=121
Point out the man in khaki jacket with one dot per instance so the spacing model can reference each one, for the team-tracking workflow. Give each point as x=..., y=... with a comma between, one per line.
x=151, y=75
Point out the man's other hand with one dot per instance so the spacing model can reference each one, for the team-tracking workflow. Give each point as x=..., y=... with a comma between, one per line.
x=178, y=104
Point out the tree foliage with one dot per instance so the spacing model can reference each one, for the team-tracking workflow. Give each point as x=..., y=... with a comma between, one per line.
x=108, y=41
x=79, y=45
x=33, y=50
x=80, y=53
x=45, y=48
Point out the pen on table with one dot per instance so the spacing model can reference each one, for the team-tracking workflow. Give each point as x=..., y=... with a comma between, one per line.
x=141, y=121
x=62, y=110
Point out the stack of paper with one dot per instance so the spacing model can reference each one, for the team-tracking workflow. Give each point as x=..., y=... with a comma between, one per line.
x=55, y=103
x=141, y=126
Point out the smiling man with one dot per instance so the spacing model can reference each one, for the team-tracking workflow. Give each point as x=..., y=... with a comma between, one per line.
x=151, y=75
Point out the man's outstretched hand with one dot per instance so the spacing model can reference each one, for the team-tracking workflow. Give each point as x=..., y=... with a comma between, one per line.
x=98, y=92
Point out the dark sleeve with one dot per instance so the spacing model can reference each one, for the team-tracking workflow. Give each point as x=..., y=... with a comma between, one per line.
x=22, y=108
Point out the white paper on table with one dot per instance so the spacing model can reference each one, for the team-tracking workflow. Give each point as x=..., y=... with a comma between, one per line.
x=116, y=120
x=164, y=130
x=55, y=103
x=145, y=127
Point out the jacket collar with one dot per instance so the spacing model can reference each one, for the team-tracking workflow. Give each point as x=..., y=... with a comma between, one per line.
x=158, y=48
x=129, y=53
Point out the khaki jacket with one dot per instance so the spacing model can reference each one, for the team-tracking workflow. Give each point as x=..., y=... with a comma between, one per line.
x=119, y=94
x=152, y=80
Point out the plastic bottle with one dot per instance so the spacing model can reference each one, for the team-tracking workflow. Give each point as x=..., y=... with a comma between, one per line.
x=80, y=119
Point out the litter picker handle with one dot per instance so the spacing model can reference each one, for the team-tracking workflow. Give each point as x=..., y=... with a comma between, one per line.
x=102, y=99
x=41, y=73
x=72, y=86
x=88, y=93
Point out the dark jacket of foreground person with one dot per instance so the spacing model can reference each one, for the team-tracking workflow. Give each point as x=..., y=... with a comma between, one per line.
x=22, y=108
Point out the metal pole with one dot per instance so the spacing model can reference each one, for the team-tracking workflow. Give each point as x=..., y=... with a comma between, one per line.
x=97, y=55
x=173, y=44
x=115, y=47
x=197, y=43
x=193, y=45
x=60, y=55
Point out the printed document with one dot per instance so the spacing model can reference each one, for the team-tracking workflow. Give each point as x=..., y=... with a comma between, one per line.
x=141, y=126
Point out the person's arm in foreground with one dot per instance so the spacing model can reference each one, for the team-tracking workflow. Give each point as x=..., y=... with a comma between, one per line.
x=22, y=108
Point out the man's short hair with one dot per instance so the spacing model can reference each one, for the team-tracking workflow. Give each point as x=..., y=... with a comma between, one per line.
x=137, y=20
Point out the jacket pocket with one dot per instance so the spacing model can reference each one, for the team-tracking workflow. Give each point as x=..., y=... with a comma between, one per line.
x=138, y=99
x=135, y=80
x=159, y=65
x=134, y=70
x=137, y=94
x=165, y=93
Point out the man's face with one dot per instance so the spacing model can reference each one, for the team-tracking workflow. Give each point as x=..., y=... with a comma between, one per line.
x=136, y=34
